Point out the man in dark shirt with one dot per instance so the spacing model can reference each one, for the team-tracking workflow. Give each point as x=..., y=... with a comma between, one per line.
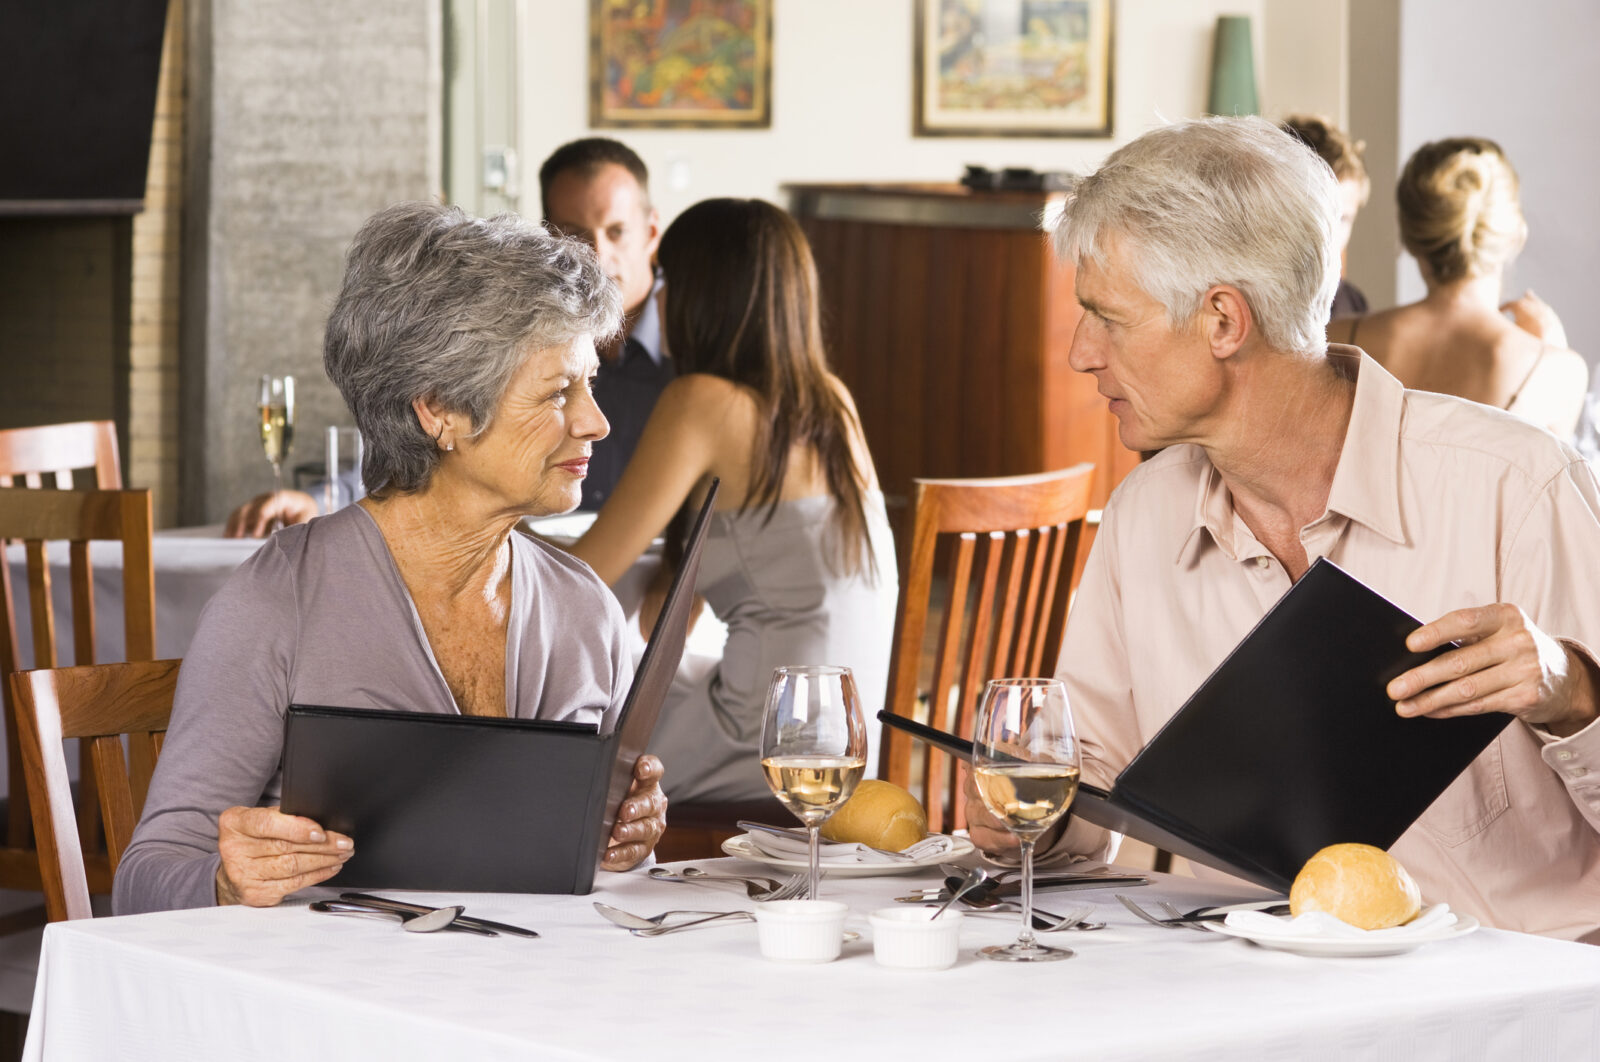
x=598, y=191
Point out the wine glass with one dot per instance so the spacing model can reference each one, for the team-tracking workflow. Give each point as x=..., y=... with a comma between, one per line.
x=1025, y=766
x=813, y=744
x=277, y=426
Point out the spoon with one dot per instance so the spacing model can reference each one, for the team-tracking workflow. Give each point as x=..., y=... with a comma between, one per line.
x=960, y=887
x=755, y=888
x=1043, y=921
x=431, y=922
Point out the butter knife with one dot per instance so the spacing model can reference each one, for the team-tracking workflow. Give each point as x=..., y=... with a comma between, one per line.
x=417, y=908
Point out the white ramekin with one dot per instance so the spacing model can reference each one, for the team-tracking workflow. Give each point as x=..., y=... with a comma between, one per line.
x=800, y=930
x=907, y=938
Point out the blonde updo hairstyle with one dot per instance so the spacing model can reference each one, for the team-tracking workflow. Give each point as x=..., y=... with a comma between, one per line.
x=1459, y=214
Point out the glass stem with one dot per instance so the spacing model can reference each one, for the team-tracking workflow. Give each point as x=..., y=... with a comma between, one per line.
x=277, y=489
x=1025, y=938
x=816, y=832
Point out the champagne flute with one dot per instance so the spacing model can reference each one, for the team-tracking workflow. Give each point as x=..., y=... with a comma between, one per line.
x=1025, y=766
x=277, y=427
x=813, y=744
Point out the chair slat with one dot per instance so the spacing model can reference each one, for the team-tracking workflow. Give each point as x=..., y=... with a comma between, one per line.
x=80, y=577
x=43, y=612
x=1010, y=623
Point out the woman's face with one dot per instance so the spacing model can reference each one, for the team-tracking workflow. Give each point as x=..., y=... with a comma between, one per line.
x=536, y=452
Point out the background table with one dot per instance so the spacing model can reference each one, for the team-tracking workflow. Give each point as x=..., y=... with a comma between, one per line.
x=287, y=983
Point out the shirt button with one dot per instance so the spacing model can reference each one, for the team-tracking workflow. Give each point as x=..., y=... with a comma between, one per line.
x=1263, y=562
x=1564, y=754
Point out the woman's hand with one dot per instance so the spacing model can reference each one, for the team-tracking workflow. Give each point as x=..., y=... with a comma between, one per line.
x=1534, y=316
x=254, y=518
x=266, y=855
x=641, y=821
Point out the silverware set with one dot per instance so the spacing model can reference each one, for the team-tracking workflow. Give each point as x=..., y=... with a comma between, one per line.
x=418, y=918
x=1175, y=919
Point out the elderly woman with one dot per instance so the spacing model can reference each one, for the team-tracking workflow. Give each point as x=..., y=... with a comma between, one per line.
x=464, y=349
x=1461, y=219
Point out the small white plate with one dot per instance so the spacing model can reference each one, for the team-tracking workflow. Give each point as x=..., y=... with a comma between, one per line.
x=1351, y=947
x=741, y=848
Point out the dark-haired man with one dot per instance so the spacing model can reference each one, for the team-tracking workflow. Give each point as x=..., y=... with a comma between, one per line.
x=598, y=190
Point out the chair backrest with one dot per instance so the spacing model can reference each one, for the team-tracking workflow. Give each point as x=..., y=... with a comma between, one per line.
x=78, y=517
x=54, y=450
x=999, y=600
x=97, y=704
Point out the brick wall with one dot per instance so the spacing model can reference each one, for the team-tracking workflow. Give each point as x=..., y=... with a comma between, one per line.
x=152, y=360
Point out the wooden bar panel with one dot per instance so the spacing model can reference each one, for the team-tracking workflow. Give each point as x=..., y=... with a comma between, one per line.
x=950, y=319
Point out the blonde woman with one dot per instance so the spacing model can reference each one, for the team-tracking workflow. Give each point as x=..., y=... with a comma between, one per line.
x=1461, y=219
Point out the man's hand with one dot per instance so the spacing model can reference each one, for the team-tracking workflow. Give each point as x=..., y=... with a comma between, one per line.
x=254, y=518
x=1534, y=316
x=998, y=844
x=1504, y=664
x=641, y=821
x=266, y=855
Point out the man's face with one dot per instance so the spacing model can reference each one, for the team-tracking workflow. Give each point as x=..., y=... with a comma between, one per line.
x=1161, y=382
x=607, y=210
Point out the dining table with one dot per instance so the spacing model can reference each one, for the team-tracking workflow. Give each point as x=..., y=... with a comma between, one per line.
x=289, y=983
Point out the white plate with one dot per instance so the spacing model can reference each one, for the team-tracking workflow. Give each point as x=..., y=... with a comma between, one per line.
x=1349, y=946
x=740, y=848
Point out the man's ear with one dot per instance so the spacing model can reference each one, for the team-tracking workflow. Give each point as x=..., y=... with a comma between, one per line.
x=652, y=221
x=1225, y=316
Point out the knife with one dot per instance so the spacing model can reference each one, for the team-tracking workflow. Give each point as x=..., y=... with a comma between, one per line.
x=417, y=908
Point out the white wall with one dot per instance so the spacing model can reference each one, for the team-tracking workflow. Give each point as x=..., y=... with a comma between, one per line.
x=842, y=99
x=1524, y=76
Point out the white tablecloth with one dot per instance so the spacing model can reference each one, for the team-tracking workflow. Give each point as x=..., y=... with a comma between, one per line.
x=288, y=984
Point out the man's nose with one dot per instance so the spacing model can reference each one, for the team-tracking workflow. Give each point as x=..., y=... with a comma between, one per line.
x=1084, y=355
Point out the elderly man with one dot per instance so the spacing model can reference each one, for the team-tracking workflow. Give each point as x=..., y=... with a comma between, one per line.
x=596, y=190
x=1207, y=256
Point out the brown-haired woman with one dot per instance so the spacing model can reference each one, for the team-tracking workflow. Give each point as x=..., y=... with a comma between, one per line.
x=1461, y=220
x=798, y=562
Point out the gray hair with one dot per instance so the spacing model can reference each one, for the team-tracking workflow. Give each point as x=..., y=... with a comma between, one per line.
x=1217, y=201
x=437, y=304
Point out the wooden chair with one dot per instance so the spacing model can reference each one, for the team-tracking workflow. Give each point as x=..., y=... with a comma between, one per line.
x=96, y=704
x=36, y=517
x=1005, y=548
x=42, y=456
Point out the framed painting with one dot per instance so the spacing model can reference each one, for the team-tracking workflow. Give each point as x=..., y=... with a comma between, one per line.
x=1013, y=68
x=675, y=64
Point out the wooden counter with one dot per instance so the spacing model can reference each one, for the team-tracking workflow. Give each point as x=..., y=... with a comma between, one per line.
x=949, y=317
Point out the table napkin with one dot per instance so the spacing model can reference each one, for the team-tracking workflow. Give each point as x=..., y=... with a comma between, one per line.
x=1315, y=925
x=838, y=852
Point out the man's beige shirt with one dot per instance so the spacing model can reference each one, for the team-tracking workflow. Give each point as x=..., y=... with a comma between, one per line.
x=1438, y=504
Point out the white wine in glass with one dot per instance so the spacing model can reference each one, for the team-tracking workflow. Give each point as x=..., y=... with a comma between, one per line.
x=813, y=744
x=277, y=426
x=1025, y=767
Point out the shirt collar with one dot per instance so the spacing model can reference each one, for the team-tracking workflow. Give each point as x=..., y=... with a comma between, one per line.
x=646, y=331
x=1366, y=481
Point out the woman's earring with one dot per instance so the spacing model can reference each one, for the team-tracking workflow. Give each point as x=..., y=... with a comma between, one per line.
x=449, y=447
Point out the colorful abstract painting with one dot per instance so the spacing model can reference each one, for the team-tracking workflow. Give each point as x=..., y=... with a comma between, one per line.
x=1013, y=68
x=677, y=63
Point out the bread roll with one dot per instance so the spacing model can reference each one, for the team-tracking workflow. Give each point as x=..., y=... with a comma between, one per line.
x=1356, y=883
x=880, y=815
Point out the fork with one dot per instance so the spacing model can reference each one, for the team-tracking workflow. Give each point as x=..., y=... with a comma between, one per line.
x=758, y=889
x=1174, y=919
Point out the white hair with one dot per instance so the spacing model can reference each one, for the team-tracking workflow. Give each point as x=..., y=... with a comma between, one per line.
x=1212, y=201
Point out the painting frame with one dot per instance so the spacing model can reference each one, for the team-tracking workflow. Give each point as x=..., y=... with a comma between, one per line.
x=626, y=40
x=944, y=57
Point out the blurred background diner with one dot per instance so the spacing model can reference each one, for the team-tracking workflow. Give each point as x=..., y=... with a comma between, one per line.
x=1461, y=219
x=799, y=562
